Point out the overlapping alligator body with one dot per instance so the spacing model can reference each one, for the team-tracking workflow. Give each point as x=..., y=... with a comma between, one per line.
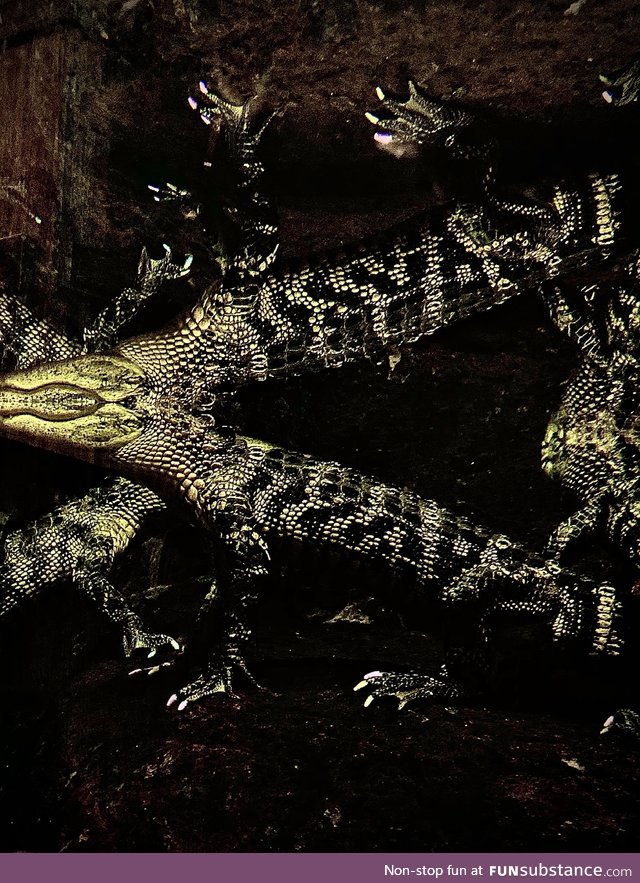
x=144, y=409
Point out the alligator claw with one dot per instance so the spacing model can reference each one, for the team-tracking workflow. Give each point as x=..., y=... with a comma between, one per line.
x=624, y=722
x=623, y=86
x=405, y=687
x=154, y=270
x=207, y=684
x=137, y=640
x=168, y=192
x=239, y=123
x=217, y=678
x=418, y=118
x=151, y=669
x=219, y=108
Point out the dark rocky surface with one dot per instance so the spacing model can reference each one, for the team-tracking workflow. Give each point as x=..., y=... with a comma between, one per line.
x=91, y=759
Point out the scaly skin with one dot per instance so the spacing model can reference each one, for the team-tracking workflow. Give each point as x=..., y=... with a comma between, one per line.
x=591, y=443
x=142, y=409
x=78, y=541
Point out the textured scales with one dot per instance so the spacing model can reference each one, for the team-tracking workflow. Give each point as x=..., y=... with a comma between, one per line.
x=592, y=441
x=269, y=320
x=78, y=541
x=152, y=405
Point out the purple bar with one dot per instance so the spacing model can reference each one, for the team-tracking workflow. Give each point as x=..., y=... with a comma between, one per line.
x=314, y=867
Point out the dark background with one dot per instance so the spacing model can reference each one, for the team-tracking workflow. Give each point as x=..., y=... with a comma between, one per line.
x=92, y=108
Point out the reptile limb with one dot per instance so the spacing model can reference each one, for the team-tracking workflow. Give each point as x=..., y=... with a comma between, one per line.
x=407, y=687
x=623, y=86
x=420, y=119
x=592, y=442
x=584, y=521
x=423, y=120
x=575, y=319
x=105, y=329
x=253, y=210
x=140, y=410
x=78, y=541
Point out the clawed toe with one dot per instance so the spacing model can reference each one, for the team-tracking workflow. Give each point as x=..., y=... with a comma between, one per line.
x=623, y=722
x=237, y=120
x=418, y=118
x=405, y=687
x=623, y=86
x=152, y=269
x=218, y=108
x=168, y=192
x=210, y=683
x=152, y=669
x=216, y=679
x=138, y=641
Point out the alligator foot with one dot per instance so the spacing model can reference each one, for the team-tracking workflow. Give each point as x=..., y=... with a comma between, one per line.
x=254, y=212
x=169, y=192
x=422, y=120
x=217, y=678
x=138, y=640
x=236, y=118
x=406, y=687
x=624, y=722
x=623, y=86
x=152, y=273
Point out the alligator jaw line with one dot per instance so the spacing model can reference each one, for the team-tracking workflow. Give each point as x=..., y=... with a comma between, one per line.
x=76, y=407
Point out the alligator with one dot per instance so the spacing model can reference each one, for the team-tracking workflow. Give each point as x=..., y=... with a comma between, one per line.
x=451, y=564
x=143, y=409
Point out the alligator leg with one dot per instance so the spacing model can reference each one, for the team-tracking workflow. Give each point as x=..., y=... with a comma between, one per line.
x=421, y=119
x=241, y=564
x=79, y=541
x=103, y=332
x=571, y=317
x=254, y=212
x=585, y=521
x=500, y=583
x=407, y=687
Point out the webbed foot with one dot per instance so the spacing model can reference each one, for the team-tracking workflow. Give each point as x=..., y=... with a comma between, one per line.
x=420, y=120
x=406, y=687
